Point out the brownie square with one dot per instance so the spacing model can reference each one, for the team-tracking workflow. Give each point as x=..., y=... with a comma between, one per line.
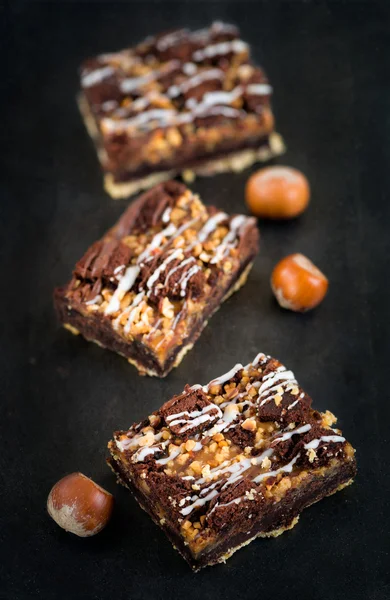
x=239, y=458
x=148, y=287
x=180, y=102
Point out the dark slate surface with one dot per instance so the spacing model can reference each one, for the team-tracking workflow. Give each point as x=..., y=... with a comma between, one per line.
x=62, y=397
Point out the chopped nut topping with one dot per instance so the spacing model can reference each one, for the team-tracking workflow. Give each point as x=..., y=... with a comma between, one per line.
x=206, y=472
x=154, y=420
x=196, y=467
x=249, y=425
x=219, y=399
x=266, y=463
x=182, y=458
x=251, y=494
x=215, y=390
x=328, y=419
x=277, y=399
x=147, y=439
x=252, y=392
x=231, y=394
x=232, y=411
x=167, y=308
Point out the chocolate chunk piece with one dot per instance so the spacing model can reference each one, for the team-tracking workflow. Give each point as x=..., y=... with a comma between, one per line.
x=190, y=413
x=280, y=397
x=214, y=475
x=240, y=436
x=149, y=209
x=288, y=407
x=105, y=259
x=234, y=504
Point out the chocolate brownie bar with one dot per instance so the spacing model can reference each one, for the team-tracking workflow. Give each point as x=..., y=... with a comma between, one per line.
x=221, y=464
x=180, y=102
x=148, y=287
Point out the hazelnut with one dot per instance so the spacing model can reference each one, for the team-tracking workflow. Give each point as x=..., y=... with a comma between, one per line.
x=297, y=283
x=277, y=193
x=79, y=505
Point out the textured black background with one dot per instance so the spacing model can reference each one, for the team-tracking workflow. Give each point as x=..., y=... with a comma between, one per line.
x=62, y=397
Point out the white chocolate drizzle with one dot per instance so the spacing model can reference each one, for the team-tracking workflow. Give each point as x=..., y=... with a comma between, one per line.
x=127, y=443
x=109, y=105
x=235, y=46
x=290, y=406
x=186, y=278
x=130, y=84
x=210, y=74
x=96, y=300
x=236, y=471
x=133, y=83
x=170, y=39
x=230, y=238
x=124, y=285
x=283, y=469
x=96, y=76
x=213, y=98
x=156, y=273
x=171, y=456
x=225, y=377
x=325, y=438
x=223, y=111
x=288, y=434
x=132, y=311
x=273, y=381
x=142, y=453
x=198, y=502
x=180, y=266
x=157, y=240
x=259, y=89
x=166, y=215
x=210, y=226
x=189, y=68
x=194, y=418
x=162, y=115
